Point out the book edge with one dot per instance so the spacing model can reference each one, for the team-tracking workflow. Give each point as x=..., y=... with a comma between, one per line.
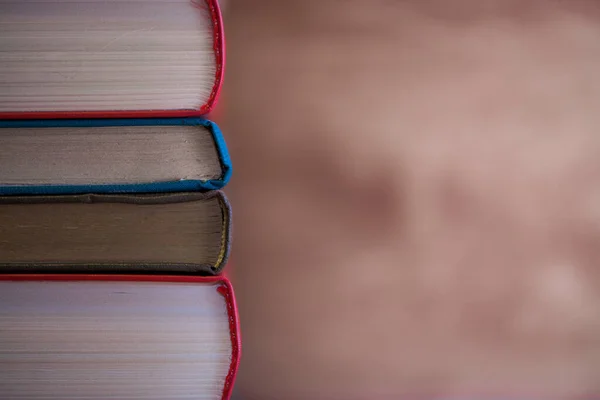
x=158, y=198
x=225, y=289
x=183, y=185
x=219, y=51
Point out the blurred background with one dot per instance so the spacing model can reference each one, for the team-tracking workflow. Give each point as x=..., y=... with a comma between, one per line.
x=416, y=196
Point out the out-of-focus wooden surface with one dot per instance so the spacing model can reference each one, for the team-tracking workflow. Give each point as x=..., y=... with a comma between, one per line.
x=416, y=197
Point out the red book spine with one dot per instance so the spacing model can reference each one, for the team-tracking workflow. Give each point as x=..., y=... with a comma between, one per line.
x=219, y=49
x=225, y=289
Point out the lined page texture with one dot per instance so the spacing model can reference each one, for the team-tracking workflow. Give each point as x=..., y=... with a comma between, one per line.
x=107, y=155
x=188, y=232
x=101, y=55
x=112, y=340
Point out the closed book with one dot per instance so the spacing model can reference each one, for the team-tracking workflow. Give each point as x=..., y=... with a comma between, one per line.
x=111, y=156
x=109, y=58
x=183, y=233
x=137, y=337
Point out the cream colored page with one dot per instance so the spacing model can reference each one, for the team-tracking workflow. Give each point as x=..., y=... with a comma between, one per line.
x=107, y=155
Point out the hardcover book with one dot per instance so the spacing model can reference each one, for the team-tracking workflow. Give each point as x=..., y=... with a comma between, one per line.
x=94, y=233
x=111, y=156
x=117, y=336
x=113, y=231
x=109, y=58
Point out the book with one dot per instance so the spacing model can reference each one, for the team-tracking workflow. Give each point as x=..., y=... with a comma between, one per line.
x=119, y=233
x=109, y=58
x=117, y=336
x=112, y=156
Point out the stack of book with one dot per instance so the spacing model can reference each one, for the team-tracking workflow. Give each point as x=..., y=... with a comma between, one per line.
x=113, y=230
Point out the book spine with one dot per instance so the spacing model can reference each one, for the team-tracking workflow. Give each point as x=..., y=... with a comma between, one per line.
x=236, y=340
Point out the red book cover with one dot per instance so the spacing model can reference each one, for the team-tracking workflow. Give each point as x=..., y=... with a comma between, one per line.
x=207, y=107
x=224, y=288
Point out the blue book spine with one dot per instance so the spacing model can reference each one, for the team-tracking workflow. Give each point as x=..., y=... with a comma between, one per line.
x=183, y=185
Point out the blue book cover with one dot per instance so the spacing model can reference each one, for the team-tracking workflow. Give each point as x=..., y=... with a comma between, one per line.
x=11, y=144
